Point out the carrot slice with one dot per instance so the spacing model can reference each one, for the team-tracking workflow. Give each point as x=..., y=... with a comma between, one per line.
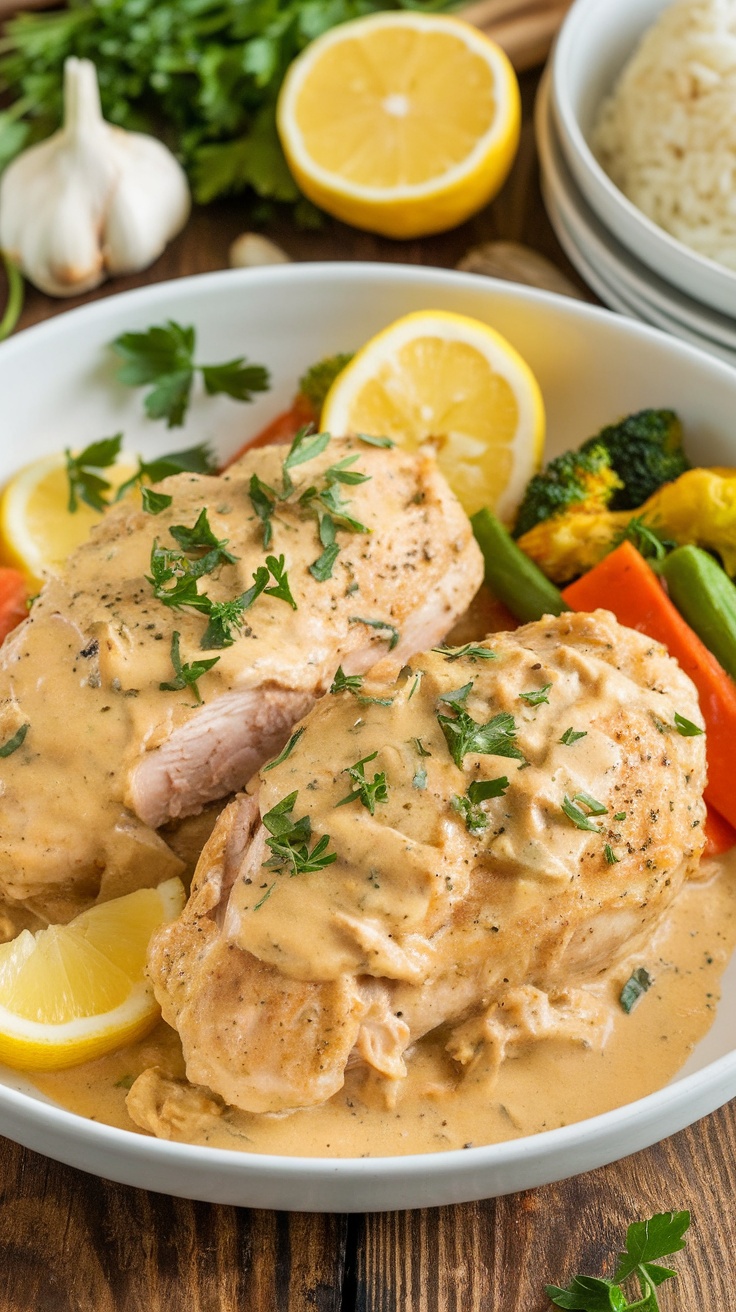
x=13, y=598
x=625, y=584
x=283, y=428
x=720, y=836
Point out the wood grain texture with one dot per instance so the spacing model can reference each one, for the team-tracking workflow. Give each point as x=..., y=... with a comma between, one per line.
x=72, y=1243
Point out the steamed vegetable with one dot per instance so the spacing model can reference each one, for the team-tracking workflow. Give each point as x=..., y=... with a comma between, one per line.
x=618, y=469
x=625, y=584
x=510, y=575
x=13, y=600
x=720, y=836
x=645, y=450
x=699, y=509
x=582, y=480
x=705, y=596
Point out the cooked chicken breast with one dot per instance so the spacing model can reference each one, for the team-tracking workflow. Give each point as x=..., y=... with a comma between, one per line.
x=125, y=731
x=503, y=821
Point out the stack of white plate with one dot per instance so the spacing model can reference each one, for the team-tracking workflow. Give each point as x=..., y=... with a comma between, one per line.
x=633, y=265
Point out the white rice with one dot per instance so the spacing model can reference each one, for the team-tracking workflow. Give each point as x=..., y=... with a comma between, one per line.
x=667, y=134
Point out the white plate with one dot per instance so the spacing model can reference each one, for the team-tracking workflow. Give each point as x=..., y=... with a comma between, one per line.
x=56, y=390
x=617, y=273
x=594, y=43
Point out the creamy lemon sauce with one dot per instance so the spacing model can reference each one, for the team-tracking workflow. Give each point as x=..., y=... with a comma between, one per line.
x=541, y=1086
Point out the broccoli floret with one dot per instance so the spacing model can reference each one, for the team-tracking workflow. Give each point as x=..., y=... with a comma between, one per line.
x=317, y=381
x=645, y=450
x=583, y=479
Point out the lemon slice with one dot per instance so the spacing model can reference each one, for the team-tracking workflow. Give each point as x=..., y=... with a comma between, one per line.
x=37, y=529
x=443, y=380
x=401, y=123
x=73, y=992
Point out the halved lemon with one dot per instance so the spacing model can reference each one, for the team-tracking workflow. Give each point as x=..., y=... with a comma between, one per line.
x=37, y=529
x=451, y=383
x=400, y=123
x=73, y=992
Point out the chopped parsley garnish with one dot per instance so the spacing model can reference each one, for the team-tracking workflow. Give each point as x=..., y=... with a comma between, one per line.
x=482, y=789
x=289, y=841
x=610, y=855
x=321, y=568
x=226, y=617
x=280, y=589
x=458, y=696
x=464, y=736
x=263, y=499
x=375, y=441
x=85, y=481
x=686, y=727
x=265, y=897
x=343, y=682
x=537, y=696
x=155, y=502
x=201, y=538
x=379, y=624
x=579, y=818
x=572, y=736
x=12, y=744
x=164, y=357
x=415, y=685
x=305, y=446
x=367, y=791
x=421, y=749
x=635, y=987
x=595, y=808
x=287, y=750
x=645, y=538
x=646, y=1243
x=420, y=777
x=476, y=820
x=620, y=815
x=375, y=701
x=193, y=460
x=187, y=676
x=469, y=652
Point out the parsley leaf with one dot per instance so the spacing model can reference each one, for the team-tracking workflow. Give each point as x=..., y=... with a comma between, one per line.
x=280, y=588
x=610, y=855
x=263, y=500
x=289, y=841
x=482, y=789
x=537, y=697
x=578, y=817
x=187, y=676
x=155, y=502
x=164, y=356
x=686, y=727
x=201, y=538
x=12, y=744
x=286, y=752
x=476, y=820
x=635, y=987
x=464, y=736
x=470, y=651
x=646, y=1241
x=370, y=440
x=322, y=567
x=343, y=682
x=379, y=624
x=458, y=696
x=572, y=736
x=366, y=791
x=85, y=482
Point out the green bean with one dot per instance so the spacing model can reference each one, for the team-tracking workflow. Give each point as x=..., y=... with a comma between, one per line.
x=512, y=576
x=706, y=598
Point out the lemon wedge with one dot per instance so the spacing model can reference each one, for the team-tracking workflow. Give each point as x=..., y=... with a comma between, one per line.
x=73, y=992
x=37, y=530
x=451, y=383
x=400, y=123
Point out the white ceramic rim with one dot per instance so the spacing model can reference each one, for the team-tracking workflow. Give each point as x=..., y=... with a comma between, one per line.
x=671, y=309
x=711, y=283
x=376, y=1183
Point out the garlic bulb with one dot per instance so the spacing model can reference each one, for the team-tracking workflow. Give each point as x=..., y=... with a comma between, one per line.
x=92, y=200
x=251, y=250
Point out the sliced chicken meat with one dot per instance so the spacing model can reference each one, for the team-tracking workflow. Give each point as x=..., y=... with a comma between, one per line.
x=142, y=707
x=500, y=823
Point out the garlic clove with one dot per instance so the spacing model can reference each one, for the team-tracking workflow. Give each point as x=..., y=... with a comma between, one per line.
x=251, y=250
x=149, y=205
x=92, y=199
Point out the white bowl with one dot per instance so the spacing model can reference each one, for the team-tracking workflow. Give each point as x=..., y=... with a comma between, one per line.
x=56, y=390
x=595, y=41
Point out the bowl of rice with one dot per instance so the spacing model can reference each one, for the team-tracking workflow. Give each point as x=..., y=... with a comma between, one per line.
x=643, y=96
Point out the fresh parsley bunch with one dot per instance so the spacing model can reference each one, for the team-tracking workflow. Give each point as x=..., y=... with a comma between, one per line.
x=203, y=74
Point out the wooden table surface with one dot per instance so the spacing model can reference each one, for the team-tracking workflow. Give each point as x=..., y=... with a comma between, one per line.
x=70, y=1242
